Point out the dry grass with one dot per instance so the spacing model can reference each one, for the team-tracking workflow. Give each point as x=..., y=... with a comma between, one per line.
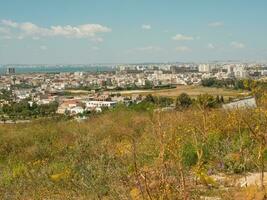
x=190, y=90
x=78, y=91
x=250, y=193
x=123, y=154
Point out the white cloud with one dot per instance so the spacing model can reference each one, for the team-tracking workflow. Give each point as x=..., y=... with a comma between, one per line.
x=211, y=46
x=81, y=31
x=43, y=47
x=32, y=29
x=216, y=24
x=28, y=29
x=237, y=45
x=146, y=27
x=181, y=37
x=148, y=48
x=9, y=23
x=182, y=49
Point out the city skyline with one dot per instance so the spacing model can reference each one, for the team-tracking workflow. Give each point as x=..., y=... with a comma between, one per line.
x=131, y=31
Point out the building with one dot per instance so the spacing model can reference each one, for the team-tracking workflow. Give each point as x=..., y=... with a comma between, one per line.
x=10, y=70
x=205, y=68
x=76, y=110
x=99, y=104
x=67, y=105
x=240, y=72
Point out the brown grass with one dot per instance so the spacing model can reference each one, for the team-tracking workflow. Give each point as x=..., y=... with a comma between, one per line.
x=190, y=90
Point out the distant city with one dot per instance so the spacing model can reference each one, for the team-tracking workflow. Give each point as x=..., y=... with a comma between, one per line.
x=57, y=68
x=99, y=86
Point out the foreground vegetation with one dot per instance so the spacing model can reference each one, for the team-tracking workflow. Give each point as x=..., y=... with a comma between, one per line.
x=135, y=154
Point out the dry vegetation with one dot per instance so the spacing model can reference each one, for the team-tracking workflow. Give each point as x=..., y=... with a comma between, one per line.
x=190, y=90
x=124, y=154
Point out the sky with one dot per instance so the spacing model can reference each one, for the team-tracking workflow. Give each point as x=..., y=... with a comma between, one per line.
x=131, y=31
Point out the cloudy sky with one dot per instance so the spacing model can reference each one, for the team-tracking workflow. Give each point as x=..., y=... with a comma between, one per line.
x=112, y=31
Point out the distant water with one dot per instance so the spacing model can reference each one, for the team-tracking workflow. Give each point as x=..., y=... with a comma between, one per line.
x=55, y=69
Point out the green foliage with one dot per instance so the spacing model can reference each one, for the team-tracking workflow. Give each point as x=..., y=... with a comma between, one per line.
x=143, y=106
x=23, y=86
x=206, y=101
x=238, y=84
x=23, y=110
x=5, y=94
x=164, y=101
x=158, y=101
x=148, y=84
x=189, y=154
x=183, y=101
x=213, y=82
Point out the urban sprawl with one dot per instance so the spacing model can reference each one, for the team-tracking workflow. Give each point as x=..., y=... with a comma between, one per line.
x=57, y=92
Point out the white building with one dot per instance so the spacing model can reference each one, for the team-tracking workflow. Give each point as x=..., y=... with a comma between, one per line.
x=78, y=74
x=240, y=72
x=44, y=101
x=76, y=110
x=99, y=104
x=264, y=72
x=204, y=68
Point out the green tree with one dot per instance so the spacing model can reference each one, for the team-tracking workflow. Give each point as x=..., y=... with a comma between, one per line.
x=151, y=99
x=183, y=101
x=164, y=101
x=206, y=101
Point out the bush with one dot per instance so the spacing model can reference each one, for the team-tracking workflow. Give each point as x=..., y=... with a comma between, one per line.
x=183, y=101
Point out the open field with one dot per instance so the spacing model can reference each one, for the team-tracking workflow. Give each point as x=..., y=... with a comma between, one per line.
x=78, y=91
x=107, y=155
x=191, y=90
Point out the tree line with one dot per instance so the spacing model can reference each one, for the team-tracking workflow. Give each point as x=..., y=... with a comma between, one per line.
x=25, y=110
x=182, y=102
x=238, y=84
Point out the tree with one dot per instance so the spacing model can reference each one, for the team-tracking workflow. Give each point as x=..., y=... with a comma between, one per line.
x=3, y=119
x=148, y=84
x=151, y=99
x=6, y=94
x=183, y=101
x=206, y=101
x=222, y=99
x=218, y=99
x=165, y=101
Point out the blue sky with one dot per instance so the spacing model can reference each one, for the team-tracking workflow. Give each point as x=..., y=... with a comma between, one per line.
x=119, y=31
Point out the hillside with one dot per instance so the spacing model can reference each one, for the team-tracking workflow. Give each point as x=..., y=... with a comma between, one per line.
x=124, y=154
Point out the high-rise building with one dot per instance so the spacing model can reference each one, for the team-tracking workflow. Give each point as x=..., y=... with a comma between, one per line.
x=204, y=68
x=10, y=70
x=240, y=72
x=230, y=71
